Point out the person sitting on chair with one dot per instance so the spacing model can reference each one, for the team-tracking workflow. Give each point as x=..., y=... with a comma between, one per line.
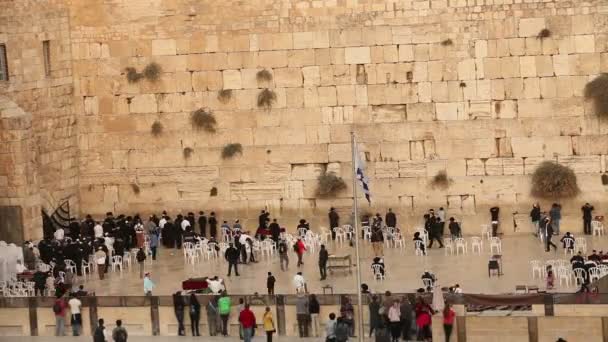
x=380, y=262
x=430, y=276
x=421, y=244
x=567, y=236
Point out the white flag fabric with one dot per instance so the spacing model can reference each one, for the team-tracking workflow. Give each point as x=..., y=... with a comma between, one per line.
x=360, y=173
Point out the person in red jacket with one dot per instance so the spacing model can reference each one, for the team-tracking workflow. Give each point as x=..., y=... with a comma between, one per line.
x=59, y=309
x=247, y=320
x=300, y=248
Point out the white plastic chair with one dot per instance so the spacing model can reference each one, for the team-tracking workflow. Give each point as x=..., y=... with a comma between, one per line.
x=486, y=231
x=126, y=259
x=419, y=248
x=340, y=234
x=192, y=256
x=580, y=244
x=349, y=231
x=565, y=275
x=476, y=244
x=448, y=244
x=568, y=246
x=597, y=228
x=378, y=272
x=70, y=265
x=325, y=235
x=367, y=233
x=398, y=241
x=580, y=275
x=461, y=245
x=116, y=263
x=495, y=243
x=86, y=268
x=537, y=267
x=594, y=273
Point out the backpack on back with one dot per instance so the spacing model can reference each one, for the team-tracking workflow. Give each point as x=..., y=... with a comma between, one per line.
x=57, y=307
x=295, y=247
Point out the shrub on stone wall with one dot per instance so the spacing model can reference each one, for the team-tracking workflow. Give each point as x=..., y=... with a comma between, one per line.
x=224, y=95
x=152, y=72
x=266, y=98
x=544, y=33
x=263, y=76
x=440, y=180
x=447, y=42
x=156, y=128
x=554, y=181
x=213, y=192
x=231, y=150
x=188, y=152
x=597, y=91
x=203, y=119
x=135, y=188
x=329, y=184
x=132, y=75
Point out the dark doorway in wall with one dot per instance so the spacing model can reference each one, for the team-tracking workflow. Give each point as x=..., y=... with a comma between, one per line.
x=11, y=224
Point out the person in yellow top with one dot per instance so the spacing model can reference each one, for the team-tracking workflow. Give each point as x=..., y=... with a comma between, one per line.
x=268, y=324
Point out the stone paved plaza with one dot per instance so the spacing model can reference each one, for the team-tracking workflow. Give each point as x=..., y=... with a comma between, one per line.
x=403, y=270
x=151, y=339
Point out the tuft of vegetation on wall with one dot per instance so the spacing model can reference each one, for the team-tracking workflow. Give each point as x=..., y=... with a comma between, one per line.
x=597, y=92
x=263, y=76
x=188, y=152
x=224, y=95
x=203, y=119
x=329, y=184
x=554, y=181
x=440, y=180
x=231, y=150
x=544, y=33
x=157, y=128
x=266, y=99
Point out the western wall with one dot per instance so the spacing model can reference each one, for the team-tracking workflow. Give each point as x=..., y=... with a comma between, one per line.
x=475, y=88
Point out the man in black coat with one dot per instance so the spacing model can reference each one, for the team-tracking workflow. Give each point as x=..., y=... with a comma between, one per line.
x=549, y=230
x=334, y=221
x=263, y=220
x=232, y=256
x=202, y=223
x=323, y=257
x=391, y=219
x=212, y=225
x=587, y=209
x=275, y=231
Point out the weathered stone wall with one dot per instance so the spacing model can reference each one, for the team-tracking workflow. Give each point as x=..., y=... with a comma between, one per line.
x=486, y=106
x=458, y=85
x=38, y=154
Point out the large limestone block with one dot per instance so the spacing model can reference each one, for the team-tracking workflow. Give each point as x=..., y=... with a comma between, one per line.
x=475, y=167
x=256, y=191
x=207, y=80
x=346, y=95
x=466, y=69
x=327, y=96
x=311, y=75
x=91, y=106
x=528, y=66
x=590, y=144
x=541, y=146
x=386, y=170
x=303, y=40
x=395, y=152
x=450, y=111
x=232, y=79
x=339, y=152
x=272, y=59
x=143, y=104
x=357, y=55
x=584, y=43
x=299, y=58
x=530, y=27
x=408, y=169
x=420, y=112
x=389, y=113
x=513, y=166
x=510, y=67
x=581, y=164
x=288, y=77
x=406, y=53
x=163, y=47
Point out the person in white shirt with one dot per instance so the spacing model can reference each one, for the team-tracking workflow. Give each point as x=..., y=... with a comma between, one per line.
x=109, y=242
x=75, y=304
x=59, y=234
x=457, y=289
x=247, y=248
x=394, y=317
x=216, y=285
x=299, y=283
x=185, y=224
x=162, y=222
x=98, y=230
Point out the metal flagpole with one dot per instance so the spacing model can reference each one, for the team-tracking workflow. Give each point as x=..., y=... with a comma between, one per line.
x=356, y=235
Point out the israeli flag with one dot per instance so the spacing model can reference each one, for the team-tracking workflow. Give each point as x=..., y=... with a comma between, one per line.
x=360, y=173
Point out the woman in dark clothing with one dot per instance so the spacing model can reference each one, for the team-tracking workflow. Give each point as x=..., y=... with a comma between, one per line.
x=375, y=321
x=178, y=306
x=212, y=225
x=195, y=314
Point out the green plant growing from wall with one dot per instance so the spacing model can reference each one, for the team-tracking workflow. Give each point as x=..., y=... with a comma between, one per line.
x=157, y=128
x=447, y=42
x=329, y=184
x=597, y=92
x=224, y=95
x=203, y=119
x=266, y=99
x=132, y=75
x=231, y=150
x=135, y=188
x=551, y=180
